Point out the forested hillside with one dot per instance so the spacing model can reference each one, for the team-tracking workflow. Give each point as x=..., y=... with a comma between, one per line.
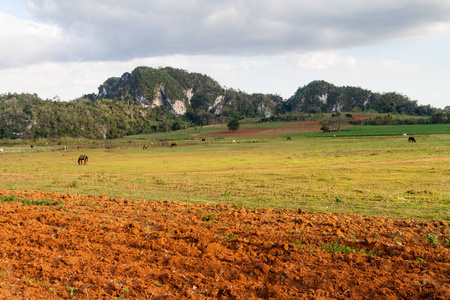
x=195, y=95
x=321, y=96
x=27, y=116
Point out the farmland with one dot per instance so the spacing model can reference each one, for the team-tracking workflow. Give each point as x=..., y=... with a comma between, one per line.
x=375, y=175
x=316, y=216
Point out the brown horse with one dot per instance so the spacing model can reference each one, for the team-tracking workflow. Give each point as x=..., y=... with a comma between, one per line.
x=145, y=146
x=82, y=158
x=289, y=138
x=79, y=147
x=173, y=145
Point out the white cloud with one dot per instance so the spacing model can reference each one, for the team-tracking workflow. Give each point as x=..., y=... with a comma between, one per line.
x=26, y=41
x=68, y=48
x=123, y=30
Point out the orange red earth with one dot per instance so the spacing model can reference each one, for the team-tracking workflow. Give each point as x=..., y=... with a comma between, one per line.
x=283, y=130
x=90, y=247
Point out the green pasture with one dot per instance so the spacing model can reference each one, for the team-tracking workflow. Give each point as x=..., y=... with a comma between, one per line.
x=388, y=130
x=371, y=175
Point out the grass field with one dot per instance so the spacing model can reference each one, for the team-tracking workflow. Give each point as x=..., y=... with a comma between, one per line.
x=380, y=175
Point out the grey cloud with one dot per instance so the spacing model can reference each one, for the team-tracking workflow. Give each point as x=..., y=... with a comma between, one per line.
x=121, y=30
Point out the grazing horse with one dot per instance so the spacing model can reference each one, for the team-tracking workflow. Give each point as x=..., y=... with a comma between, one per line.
x=79, y=147
x=233, y=141
x=82, y=158
x=65, y=148
x=31, y=146
x=289, y=138
x=411, y=139
x=145, y=146
x=203, y=140
x=173, y=145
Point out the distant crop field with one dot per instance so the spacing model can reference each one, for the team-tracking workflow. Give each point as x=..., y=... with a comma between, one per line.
x=389, y=130
x=371, y=175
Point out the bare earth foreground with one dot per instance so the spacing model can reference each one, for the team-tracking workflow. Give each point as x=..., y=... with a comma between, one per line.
x=89, y=247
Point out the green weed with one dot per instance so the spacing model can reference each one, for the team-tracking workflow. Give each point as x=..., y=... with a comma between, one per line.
x=24, y=201
x=73, y=184
x=208, y=218
x=432, y=238
x=335, y=247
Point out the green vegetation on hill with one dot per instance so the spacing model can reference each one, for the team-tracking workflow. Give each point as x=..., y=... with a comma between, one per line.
x=149, y=100
x=29, y=117
x=321, y=97
x=204, y=99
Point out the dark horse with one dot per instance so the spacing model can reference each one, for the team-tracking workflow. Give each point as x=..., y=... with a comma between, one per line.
x=289, y=138
x=173, y=145
x=82, y=158
x=145, y=146
x=411, y=139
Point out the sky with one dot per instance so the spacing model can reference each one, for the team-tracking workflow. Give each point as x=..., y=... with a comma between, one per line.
x=63, y=49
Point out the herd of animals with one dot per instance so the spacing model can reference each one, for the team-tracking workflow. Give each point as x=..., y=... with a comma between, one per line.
x=83, y=159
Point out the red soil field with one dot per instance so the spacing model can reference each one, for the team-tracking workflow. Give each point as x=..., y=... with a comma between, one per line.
x=90, y=247
x=360, y=117
x=287, y=129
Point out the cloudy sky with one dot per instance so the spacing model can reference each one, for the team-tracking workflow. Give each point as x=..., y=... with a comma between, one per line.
x=62, y=49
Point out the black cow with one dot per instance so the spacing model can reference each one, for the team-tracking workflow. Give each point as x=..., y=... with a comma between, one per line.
x=82, y=158
x=411, y=139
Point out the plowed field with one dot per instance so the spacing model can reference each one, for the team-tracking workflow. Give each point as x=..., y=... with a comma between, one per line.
x=57, y=246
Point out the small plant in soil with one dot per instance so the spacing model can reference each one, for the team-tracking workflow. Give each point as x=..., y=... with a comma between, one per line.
x=335, y=247
x=433, y=238
x=42, y=202
x=298, y=244
x=26, y=278
x=10, y=199
x=71, y=292
x=228, y=236
x=208, y=218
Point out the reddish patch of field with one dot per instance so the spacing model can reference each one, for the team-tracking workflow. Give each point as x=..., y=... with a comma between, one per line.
x=89, y=247
x=284, y=130
x=360, y=117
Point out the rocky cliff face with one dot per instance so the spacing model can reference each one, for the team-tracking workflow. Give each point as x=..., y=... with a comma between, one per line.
x=152, y=88
x=176, y=106
x=180, y=91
